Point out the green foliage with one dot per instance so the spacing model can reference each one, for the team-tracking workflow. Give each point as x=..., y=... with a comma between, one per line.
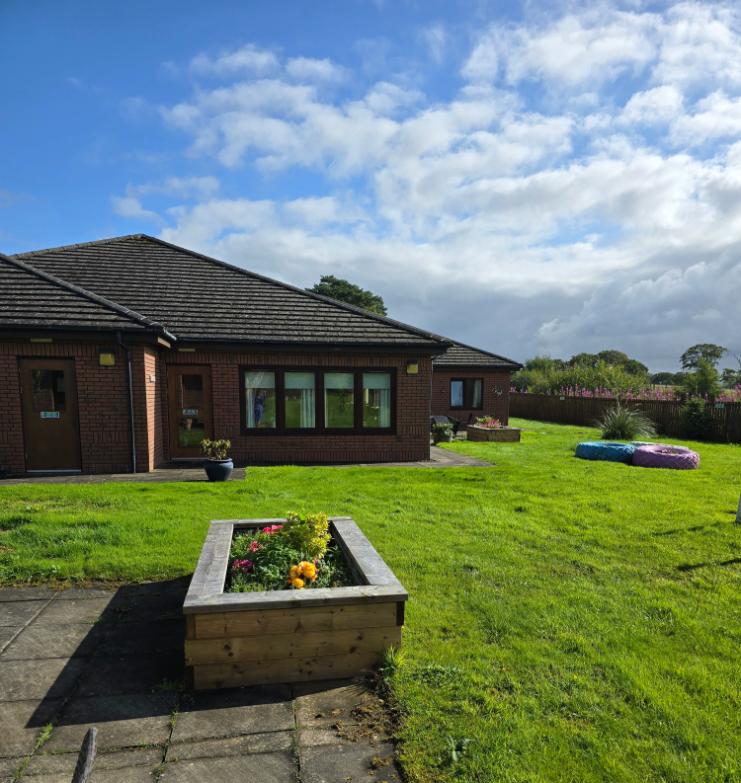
x=708, y=352
x=215, y=449
x=668, y=378
x=262, y=559
x=442, y=431
x=623, y=423
x=730, y=378
x=703, y=382
x=308, y=532
x=696, y=418
x=556, y=377
x=345, y=291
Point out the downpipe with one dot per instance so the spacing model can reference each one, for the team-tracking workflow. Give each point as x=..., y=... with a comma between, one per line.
x=130, y=377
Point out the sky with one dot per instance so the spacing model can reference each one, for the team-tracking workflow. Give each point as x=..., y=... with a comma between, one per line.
x=529, y=178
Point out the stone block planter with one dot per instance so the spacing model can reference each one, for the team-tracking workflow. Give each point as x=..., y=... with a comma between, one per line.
x=236, y=639
x=499, y=435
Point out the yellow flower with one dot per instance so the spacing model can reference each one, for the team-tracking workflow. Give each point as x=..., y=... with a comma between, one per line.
x=295, y=572
x=297, y=583
x=308, y=570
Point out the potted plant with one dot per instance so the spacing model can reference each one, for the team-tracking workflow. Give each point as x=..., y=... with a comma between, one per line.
x=218, y=464
x=442, y=432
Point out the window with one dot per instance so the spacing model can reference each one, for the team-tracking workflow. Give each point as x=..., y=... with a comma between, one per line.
x=300, y=403
x=47, y=390
x=259, y=397
x=376, y=399
x=317, y=401
x=339, y=400
x=466, y=393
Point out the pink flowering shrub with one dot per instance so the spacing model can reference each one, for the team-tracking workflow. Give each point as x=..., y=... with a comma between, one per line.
x=489, y=423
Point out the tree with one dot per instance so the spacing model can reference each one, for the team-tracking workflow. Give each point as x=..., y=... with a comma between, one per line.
x=345, y=291
x=704, y=381
x=614, y=357
x=584, y=360
x=730, y=378
x=708, y=352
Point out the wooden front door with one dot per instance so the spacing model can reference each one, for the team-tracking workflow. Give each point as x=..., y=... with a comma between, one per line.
x=189, y=394
x=51, y=429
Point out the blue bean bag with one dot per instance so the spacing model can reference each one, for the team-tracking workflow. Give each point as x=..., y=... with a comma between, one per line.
x=604, y=450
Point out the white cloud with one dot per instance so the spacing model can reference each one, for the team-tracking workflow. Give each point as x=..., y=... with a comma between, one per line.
x=587, y=48
x=700, y=45
x=650, y=107
x=312, y=70
x=132, y=208
x=576, y=214
x=247, y=59
x=435, y=39
x=715, y=116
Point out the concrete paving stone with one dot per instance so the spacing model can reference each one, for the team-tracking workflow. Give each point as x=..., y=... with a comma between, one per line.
x=233, y=712
x=8, y=767
x=74, y=610
x=232, y=746
x=21, y=722
x=57, y=763
x=331, y=703
x=6, y=634
x=352, y=762
x=83, y=593
x=143, y=638
x=145, y=606
x=130, y=775
x=40, y=640
x=17, y=613
x=262, y=767
x=311, y=738
x=122, y=721
x=25, y=593
x=136, y=674
x=49, y=678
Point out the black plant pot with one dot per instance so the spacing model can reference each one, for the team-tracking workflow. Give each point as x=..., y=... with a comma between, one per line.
x=218, y=469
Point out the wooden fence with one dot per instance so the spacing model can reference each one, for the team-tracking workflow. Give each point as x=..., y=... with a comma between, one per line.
x=586, y=410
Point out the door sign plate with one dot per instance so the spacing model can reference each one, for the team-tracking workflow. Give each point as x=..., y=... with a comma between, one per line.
x=190, y=411
x=49, y=414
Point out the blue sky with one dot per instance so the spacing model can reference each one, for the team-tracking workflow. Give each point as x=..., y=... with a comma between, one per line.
x=532, y=178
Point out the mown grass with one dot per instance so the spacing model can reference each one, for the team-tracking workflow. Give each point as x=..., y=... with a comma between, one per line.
x=568, y=620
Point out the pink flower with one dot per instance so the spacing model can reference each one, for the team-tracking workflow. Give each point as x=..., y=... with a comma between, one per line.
x=242, y=565
x=254, y=546
x=272, y=529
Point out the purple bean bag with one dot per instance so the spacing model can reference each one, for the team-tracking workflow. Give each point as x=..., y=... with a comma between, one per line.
x=660, y=455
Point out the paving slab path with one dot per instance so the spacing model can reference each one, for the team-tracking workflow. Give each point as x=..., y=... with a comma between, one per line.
x=113, y=659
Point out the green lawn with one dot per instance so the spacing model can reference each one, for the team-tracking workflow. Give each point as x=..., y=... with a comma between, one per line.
x=568, y=620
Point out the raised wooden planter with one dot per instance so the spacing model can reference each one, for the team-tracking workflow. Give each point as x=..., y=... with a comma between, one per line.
x=235, y=639
x=499, y=434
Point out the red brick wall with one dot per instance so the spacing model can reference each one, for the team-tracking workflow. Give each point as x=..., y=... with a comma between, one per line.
x=410, y=441
x=147, y=408
x=102, y=401
x=493, y=404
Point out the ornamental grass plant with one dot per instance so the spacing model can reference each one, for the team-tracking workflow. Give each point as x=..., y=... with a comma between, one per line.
x=623, y=423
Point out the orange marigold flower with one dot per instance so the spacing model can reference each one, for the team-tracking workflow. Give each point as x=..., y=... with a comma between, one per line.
x=297, y=583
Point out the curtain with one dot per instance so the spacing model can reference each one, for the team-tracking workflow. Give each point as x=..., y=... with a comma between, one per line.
x=300, y=400
x=376, y=399
x=259, y=394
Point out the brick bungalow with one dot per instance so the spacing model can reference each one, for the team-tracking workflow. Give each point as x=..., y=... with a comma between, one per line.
x=122, y=354
x=468, y=382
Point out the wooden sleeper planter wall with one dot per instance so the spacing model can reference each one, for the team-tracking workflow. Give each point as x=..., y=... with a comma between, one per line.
x=498, y=434
x=236, y=639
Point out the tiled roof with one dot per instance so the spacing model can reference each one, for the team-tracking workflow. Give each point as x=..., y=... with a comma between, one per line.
x=32, y=298
x=460, y=355
x=199, y=298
